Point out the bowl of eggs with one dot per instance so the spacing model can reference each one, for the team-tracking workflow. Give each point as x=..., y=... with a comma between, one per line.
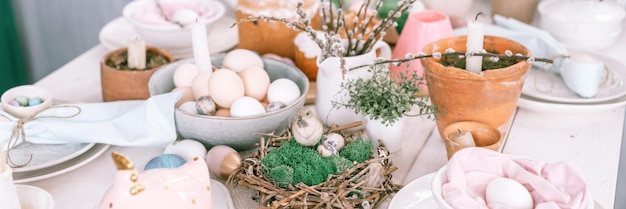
x=245, y=96
x=167, y=23
x=25, y=100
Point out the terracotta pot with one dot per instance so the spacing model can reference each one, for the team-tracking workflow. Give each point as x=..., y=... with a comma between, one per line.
x=484, y=136
x=127, y=84
x=489, y=97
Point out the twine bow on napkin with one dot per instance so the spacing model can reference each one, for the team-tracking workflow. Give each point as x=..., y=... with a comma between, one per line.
x=147, y=123
x=19, y=133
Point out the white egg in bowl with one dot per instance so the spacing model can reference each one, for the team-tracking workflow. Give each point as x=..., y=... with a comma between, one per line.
x=242, y=132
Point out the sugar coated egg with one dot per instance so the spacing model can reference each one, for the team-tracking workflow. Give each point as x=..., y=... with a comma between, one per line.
x=246, y=106
x=165, y=161
x=184, y=75
x=187, y=149
x=185, y=16
x=507, y=193
x=225, y=86
x=223, y=160
x=255, y=81
x=240, y=59
x=187, y=95
x=283, y=90
x=200, y=85
x=188, y=107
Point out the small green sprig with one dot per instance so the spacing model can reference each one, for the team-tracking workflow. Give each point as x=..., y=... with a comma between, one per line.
x=384, y=97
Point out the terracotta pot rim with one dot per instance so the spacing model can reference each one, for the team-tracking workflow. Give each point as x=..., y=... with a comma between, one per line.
x=165, y=53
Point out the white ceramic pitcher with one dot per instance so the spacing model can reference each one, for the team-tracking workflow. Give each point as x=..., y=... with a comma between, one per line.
x=329, y=79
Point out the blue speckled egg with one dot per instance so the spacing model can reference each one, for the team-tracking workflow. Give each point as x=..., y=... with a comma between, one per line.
x=165, y=161
x=275, y=105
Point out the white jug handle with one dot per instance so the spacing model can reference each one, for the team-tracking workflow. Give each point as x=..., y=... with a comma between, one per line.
x=385, y=50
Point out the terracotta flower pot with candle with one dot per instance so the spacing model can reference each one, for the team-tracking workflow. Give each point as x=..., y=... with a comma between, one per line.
x=122, y=83
x=489, y=97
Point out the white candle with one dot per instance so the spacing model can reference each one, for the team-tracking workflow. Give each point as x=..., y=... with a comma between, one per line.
x=474, y=44
x=137, y=54
x=464, y=138
x=8, y=195
x=201, y=53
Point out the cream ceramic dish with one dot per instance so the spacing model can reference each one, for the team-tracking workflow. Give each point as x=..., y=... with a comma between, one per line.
x=28, y=91
x=169, y=36
x=238, y=133
x=32, y=197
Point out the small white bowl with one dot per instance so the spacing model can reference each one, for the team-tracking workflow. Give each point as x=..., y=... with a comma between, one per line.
x=28, y=91
x=32, y=197
x=169, y=36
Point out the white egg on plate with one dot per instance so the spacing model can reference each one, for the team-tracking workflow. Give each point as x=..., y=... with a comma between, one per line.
x=200, y=85
x=240, y=59
x=225, y=86
x=185, y=16
x=187, y=149
x=507, y=193
x=246, y=106
x=283, y=90
x=184, y=75
x=255, y=81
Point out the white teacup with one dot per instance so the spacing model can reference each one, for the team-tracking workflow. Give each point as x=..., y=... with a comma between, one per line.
x=582, y=74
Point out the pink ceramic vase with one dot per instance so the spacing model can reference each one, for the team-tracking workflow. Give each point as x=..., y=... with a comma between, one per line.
x=421, y=28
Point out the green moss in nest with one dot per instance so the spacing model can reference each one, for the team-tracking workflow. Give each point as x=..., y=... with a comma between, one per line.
x=359, y=150
x=120, y=60
x=308, y=166
x=282, y=175
x=488, y=64
x=341, y=164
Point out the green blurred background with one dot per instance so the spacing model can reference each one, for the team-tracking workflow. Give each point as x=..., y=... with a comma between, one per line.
x=12, y=70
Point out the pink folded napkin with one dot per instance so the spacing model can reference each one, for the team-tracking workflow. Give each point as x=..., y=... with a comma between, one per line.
x=551, y=185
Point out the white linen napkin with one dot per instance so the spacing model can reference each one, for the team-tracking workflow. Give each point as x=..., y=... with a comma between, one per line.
x=124, y=123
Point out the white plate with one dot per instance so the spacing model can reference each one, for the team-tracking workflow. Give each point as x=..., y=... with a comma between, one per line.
x=74, y=163
x=539, y=105
x=544, y=85
x=45, y=155
x=416, y=194
x=221, y=196
x=118, y=32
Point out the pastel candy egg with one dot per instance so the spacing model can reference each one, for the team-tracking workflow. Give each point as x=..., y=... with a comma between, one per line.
x=273, y=106
x=187, y=149
x=165, y=161
x=223, y=160
x=34, y=101
x=14, y=103
x=22, y=100
x=283, y=90
x=205, y=106
x=246, y=106
x=240, y=59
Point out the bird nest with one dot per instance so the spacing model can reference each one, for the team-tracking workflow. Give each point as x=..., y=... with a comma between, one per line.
x=353, y=188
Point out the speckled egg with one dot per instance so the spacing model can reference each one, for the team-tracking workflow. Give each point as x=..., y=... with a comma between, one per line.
x=334, y=140
x=165, y=161
x=205, y=106
x=200, y=85
x=283, y=90
x=184, y=75
x=240, y=59
x=246, y=106
x=225, y=86
x=274, y=106
x=187, y=149
x=223, y=160
x=255, y=81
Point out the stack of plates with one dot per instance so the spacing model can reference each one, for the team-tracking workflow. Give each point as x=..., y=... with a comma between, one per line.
x=119, y=32
x=546, y=91
x=50, y=160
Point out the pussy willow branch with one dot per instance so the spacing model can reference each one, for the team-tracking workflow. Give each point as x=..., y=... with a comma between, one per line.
x=517, y=57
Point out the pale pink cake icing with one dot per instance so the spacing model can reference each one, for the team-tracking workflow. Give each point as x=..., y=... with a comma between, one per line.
x=149, y=13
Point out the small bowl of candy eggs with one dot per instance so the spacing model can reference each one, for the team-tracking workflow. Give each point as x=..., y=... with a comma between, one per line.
x=244, y=95
x=25, y=100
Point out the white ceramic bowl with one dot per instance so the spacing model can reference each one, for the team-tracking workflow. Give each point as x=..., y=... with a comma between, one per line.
x=28, y=91
x=238, y=133
x=169, y=36
x=589, y=25
x=32, y=197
